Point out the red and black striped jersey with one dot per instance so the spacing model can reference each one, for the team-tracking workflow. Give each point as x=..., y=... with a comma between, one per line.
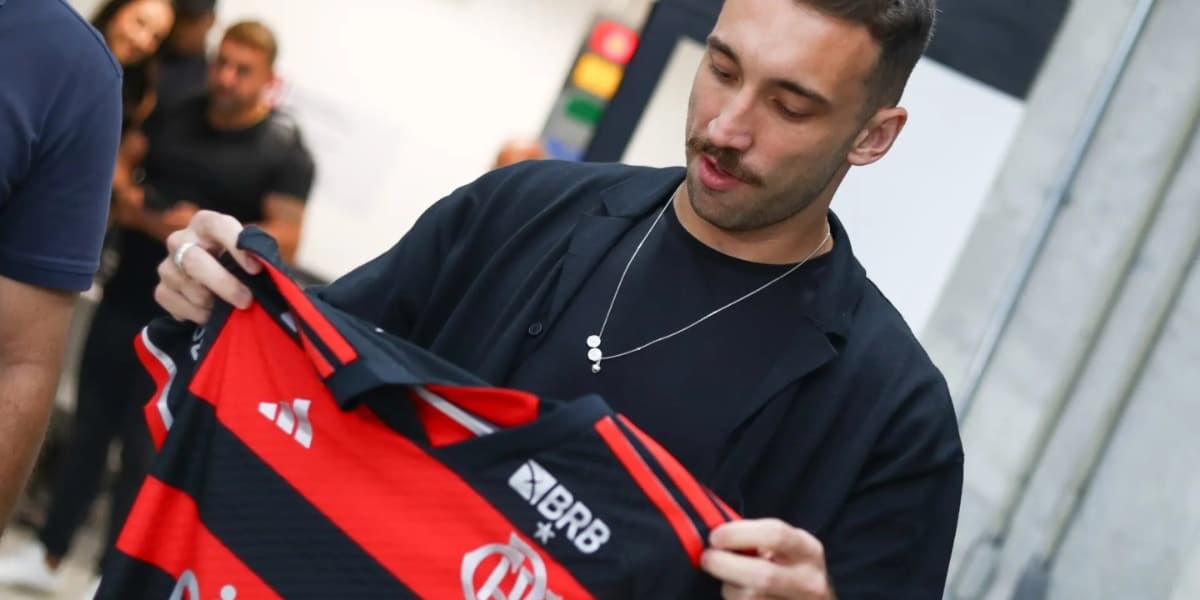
x=304, y=453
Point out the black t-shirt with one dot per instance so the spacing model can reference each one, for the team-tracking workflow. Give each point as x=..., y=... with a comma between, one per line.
x=674, y=281
x=180, y=77
x=229, y=171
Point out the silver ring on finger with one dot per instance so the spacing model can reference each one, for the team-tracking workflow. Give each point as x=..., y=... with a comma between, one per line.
x=177, y=257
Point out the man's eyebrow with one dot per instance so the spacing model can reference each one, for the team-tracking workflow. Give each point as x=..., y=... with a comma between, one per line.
x=800, y=90
x=719, y=45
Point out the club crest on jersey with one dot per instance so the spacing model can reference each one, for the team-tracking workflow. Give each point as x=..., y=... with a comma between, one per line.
x=514, y=566
x=187, y=587
x=557, y=504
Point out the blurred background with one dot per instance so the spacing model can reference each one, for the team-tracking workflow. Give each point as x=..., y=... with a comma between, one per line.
x=1037, y=225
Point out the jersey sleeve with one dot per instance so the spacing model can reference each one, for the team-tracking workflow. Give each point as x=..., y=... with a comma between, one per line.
x=705, y=510
x=169, y=351
x=53, y=225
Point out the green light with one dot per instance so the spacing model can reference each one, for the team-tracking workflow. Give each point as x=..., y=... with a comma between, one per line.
x=585, y=110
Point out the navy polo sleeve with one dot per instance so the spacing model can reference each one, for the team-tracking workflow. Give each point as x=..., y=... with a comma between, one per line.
x=53, y=222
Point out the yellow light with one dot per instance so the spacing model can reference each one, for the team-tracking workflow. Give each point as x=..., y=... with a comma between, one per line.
x=597, y=76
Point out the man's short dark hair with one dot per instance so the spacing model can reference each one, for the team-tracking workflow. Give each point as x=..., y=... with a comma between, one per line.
x=903, y=29
x=195, y=8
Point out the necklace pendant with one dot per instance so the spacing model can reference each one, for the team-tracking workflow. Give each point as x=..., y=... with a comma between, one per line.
x=593, y=341
x=595, y=356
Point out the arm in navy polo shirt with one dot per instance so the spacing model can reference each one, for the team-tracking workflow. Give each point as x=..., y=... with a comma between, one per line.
x=60, y=117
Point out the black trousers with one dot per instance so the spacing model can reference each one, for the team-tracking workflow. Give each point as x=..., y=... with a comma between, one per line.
x=113, y=387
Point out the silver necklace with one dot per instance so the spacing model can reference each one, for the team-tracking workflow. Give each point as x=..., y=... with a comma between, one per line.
x=596, y=355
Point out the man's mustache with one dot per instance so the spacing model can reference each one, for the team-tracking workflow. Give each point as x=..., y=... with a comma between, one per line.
x=727, y=159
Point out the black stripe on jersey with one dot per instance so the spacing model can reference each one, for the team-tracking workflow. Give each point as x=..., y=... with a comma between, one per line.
x=264, y=521
x=127, y=578
x=720, y=507
x=666, y=480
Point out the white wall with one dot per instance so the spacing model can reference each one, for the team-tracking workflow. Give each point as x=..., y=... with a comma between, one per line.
x=407, y=99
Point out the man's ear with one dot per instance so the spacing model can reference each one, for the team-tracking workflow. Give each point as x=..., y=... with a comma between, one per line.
x=877, y=136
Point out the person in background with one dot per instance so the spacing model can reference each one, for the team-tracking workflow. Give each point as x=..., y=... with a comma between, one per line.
x=184, y=59
x=133, y=31
x=56, y=169
x=519, y=150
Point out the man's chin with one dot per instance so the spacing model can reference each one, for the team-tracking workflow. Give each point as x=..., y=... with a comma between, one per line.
x=714, y=210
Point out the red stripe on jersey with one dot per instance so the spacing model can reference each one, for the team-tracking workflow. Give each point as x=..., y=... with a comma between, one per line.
x=151, y=535
x=692, y=490
x=684, y=528
x=310, y=315
x=378, y=472
x=314, y=354
x=162, y=371
x=439, y=428
x=503, y=407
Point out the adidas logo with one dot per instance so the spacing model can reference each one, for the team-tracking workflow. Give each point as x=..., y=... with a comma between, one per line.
x=291, y=417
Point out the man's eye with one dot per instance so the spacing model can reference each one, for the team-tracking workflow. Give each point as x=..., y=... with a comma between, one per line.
x=788, y=113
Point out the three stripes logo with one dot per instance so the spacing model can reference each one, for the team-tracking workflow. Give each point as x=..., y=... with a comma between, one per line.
x=291, y=417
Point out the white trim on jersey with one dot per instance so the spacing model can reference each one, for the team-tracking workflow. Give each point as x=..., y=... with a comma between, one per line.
x=164, y=410
x=474, y=424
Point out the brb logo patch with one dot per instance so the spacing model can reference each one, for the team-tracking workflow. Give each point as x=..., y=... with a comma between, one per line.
x=558, y=505
x=514, y=566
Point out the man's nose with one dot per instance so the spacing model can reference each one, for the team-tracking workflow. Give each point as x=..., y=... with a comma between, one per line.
x=732, y=127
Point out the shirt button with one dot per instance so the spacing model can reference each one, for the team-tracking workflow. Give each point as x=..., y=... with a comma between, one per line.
x=535, y=329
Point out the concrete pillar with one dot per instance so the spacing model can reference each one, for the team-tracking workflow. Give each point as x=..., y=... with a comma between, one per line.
x=1071, y=289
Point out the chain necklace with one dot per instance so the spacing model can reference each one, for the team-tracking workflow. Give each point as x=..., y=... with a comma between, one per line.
x=596, y=356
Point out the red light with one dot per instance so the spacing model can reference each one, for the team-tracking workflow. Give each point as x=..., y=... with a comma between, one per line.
x=613, y=41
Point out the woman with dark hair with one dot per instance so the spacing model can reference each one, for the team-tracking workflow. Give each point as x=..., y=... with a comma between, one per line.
x=134, y=31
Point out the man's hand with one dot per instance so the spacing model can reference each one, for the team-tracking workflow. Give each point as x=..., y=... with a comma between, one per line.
x=785, y=562
x=187, y=291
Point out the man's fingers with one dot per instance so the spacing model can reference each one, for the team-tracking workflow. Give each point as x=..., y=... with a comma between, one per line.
x=769, y=538
x=178, y=306
x=751, y=577
x=217, y=232
x=193, y=292
x=733, y=592
x=204, y=270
